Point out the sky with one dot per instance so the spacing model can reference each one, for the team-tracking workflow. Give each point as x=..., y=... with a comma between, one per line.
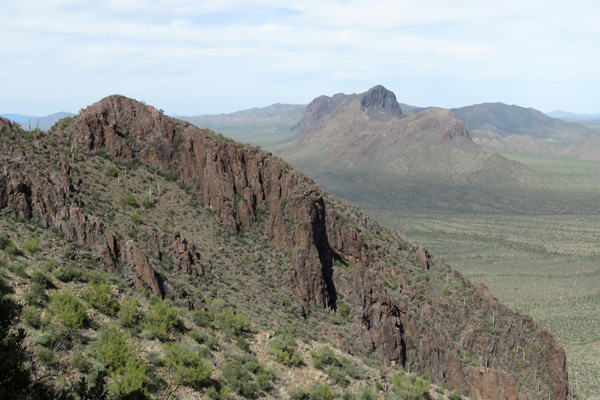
x=191, y=57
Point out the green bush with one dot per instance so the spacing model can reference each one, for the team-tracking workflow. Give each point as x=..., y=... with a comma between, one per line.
x=32, y=318
x=230, y=323
x=184, y=365
x=321, y=392
x=242, y=344
x=239, y=379
x=130, y=200
x=67, y=309
x=39, y=278
x=112, y=172
x=455, y=395
x=343, y=310
x=137, y=219
x=4, y=241
x=201, y=318
x=411, y=388
x=283, y=348
x=147, y=202
x=36, y=296
x=32, y=246
x=70, y=272
x=161, y=317
x=128, y=313
x=98, y=295
x=324, y=357
x=118, y=355
x=366, y=393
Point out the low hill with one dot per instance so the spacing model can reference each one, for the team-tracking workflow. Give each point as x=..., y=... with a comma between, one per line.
x=165, y=261
x=507, y=120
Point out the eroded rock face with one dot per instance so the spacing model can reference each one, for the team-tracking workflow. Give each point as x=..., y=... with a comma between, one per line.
x=237, y=181
x=27, y=191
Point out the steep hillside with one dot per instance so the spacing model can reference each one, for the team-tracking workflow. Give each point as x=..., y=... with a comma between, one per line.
x=117, y=220
x=506, y=120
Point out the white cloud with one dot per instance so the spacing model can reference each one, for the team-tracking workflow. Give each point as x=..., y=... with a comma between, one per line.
x=214, y=56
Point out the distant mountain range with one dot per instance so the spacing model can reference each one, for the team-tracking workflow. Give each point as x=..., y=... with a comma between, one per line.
x=45, y=122
x=365, y=146
x=570, y=115
x=507, y=120
x=258, y=125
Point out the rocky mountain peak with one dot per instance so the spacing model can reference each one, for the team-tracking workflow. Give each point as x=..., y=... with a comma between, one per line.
x=380, y=104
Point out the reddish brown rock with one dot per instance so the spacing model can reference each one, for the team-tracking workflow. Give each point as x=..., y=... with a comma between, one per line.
x=134, y=256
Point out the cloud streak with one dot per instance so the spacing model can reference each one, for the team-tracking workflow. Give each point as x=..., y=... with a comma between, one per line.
x=191, y=57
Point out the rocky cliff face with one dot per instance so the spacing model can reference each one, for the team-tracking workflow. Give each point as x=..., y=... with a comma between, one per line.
x=408, y=307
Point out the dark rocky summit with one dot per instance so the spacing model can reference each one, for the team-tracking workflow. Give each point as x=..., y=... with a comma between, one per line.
x=409, y=308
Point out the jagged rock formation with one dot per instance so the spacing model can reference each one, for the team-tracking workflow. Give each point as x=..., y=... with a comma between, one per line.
x=335, y=249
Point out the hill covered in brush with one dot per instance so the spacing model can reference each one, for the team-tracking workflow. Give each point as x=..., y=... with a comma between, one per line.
x=144, y=257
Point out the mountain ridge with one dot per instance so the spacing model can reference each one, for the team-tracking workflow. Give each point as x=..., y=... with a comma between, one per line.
x=334, y=249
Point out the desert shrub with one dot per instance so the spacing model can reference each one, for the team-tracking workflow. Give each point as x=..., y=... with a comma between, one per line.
x=70, y=272
x=242, y=344
x=455, y=395
x=8, y=246
x=98, y=295
x=32, y=317
x=128, y=313
x=118, y=355
x=239, y=379
x=130, y=201
x=4, y=241
x=147, y=202
x=39, y=278
x=67, y=309
x=112, y=172
x=343, y=310
x=221, y=394
x=137, y=219
x=201, y=318
x=32, y=246
x=324, y=357
x=338, y=369
x=36, y=296
x=185, y=366
x=283, y=348
x=365, y=393
x=161, y=317
x=246, y=376
x=129, y=382
x=321, y=392
x=231, y=323
x=412, y=387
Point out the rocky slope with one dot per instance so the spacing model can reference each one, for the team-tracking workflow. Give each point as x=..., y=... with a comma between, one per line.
x=406, y=307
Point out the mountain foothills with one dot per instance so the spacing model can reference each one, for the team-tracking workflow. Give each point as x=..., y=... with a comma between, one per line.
x=260, y=125
x=367, y=140
x=144, y=257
